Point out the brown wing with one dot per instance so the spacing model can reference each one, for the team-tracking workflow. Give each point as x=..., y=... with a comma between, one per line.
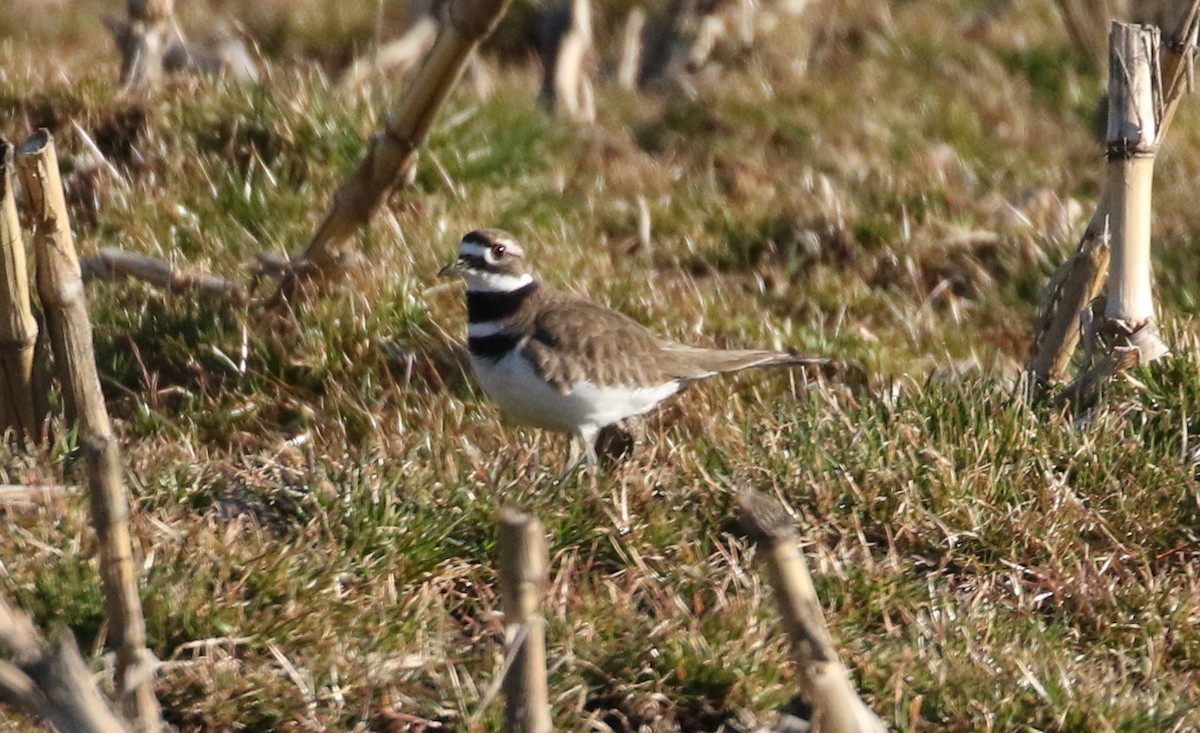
x=575, y=339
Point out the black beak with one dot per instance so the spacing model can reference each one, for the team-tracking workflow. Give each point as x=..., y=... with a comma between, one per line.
x=454, y=268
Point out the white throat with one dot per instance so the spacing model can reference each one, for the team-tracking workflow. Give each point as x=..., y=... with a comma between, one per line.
x=495, y=282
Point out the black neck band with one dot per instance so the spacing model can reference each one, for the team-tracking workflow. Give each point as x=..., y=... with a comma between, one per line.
x=484, y=306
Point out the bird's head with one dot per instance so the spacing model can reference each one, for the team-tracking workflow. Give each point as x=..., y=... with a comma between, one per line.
x=490, y=260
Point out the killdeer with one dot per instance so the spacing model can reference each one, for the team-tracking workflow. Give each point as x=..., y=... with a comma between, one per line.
x=565, y=363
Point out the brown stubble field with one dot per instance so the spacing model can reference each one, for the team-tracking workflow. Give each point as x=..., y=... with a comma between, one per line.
x=315, y=495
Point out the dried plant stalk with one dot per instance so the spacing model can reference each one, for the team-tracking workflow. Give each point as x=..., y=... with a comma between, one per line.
x=631, y=49
x=1134, y=93
x=109, y=506
x=30, y=495
x=566, y=43
x=143, y=41
x=60, y=286
x=1057, y=331
x=18, y=328
x=391, y=154
x=522, y=547
x=111, y=263
x=824, y=680
x=151, y=46
x=710, y=30
x=38, y=167
x=397, y=57
x=1177, y=68
x=50, y=681
x=1076, y=283
x=1085, y=20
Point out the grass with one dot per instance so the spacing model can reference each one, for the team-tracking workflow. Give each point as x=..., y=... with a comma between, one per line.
x=319, y=492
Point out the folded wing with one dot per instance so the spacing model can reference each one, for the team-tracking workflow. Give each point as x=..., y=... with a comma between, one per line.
x=576, y=340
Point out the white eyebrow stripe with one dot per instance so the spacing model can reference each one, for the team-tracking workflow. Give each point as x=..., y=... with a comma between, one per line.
x=485, y=329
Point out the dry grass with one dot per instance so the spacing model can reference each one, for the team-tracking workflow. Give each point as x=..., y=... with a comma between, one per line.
x=316, y=494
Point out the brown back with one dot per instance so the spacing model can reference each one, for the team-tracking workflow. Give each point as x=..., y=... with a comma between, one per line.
x=574, y=340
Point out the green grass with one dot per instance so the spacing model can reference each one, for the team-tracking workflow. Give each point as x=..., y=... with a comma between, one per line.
x=322, y=487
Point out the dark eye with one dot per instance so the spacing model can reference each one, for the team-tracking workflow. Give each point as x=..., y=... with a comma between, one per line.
x=498, y=250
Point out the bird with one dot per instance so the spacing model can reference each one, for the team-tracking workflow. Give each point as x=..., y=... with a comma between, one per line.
x=565, y=363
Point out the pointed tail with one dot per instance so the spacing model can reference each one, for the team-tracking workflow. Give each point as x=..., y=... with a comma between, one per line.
x=707, y=362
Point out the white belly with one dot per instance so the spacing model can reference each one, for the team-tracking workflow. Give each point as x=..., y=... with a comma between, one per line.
x=513, y=385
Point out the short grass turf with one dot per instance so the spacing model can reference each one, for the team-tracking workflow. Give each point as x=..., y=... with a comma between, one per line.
x=316, y=492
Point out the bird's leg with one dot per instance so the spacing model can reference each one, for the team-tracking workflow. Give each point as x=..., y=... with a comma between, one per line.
x=587, y=436
x=589, y=462
x=574, y=458
x=583, y=451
